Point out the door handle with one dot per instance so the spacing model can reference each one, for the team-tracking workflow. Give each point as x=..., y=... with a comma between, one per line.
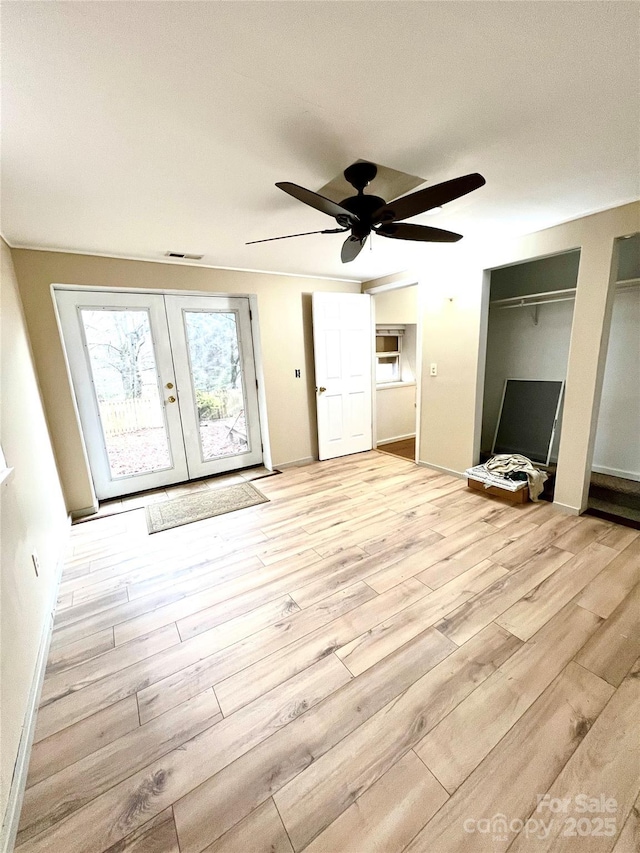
x=171, y=400
x=321, y=389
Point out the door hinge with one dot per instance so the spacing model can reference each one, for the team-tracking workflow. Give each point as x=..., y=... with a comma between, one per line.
x=256, y=384
x=250, y=314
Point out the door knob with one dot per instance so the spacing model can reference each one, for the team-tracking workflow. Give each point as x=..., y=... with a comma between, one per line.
x=169, y=385
x=322, y=389
x=171, y=400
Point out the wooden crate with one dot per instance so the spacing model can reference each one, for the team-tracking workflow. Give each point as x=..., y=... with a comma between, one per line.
x=519, y=497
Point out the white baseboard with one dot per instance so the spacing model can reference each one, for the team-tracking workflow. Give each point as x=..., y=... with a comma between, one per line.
x=451, y=471
x=397, y=438
x=616, y=472
x=297, y=463
x=84, y=512
x=566, y=508
x=19, y=780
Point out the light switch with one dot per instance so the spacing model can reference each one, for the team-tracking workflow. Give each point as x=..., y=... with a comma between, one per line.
x=434, y=369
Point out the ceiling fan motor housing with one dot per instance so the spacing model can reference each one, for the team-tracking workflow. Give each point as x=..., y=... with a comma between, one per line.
x=364, y=207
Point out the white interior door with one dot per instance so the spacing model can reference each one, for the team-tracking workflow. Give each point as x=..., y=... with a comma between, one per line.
x=165, y=385
x=342, y=339
x=119, y=355
x=216, y=380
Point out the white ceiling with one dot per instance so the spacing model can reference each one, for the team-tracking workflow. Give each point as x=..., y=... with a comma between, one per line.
x=135, y=128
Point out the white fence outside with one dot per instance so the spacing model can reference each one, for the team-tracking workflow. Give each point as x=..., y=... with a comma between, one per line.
x=125, y=416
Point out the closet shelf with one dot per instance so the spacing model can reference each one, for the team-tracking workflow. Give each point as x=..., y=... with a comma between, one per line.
x=533, y=299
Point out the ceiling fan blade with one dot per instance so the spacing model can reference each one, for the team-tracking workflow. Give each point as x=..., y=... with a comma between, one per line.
x=428, y=198
x=301, y=234
x=351, y=248
x=324, y=205
x=424, y=233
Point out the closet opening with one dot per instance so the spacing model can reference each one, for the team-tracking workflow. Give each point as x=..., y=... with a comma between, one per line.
x=614, y=491
x=529, y=330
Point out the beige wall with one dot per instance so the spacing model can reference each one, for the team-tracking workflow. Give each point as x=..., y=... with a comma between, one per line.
x=397, y=306
x=453, y=298
x=284, y=306
x=33, y=518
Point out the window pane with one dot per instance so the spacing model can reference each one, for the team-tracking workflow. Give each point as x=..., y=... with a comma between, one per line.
x=123, y=367
x=387, y=343
x=388, y=369
x=216, y=373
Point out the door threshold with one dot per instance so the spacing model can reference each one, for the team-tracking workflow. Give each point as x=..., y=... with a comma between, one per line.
x=139, y=500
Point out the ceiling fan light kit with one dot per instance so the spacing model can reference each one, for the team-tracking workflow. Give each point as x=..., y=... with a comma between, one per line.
x=361, y=214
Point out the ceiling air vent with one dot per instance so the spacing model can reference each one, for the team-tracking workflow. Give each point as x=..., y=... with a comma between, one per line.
x=184, y=256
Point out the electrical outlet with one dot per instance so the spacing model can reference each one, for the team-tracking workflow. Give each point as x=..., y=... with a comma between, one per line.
x=433, y=371
x=36, y=563
x=297, y=373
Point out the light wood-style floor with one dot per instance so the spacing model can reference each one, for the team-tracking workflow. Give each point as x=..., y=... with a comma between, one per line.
x=376, y=660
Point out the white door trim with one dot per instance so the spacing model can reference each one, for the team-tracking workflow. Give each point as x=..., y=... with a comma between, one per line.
x=384, y=288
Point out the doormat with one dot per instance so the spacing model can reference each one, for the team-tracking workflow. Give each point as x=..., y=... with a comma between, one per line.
x=173, y=513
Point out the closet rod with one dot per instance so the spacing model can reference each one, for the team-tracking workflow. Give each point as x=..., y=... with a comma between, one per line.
x=533, y=299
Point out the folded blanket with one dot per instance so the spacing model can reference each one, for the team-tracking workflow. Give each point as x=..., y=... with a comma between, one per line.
x=506, y=463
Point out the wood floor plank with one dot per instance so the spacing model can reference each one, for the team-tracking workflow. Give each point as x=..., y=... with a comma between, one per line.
x=416, y=564
x=474, y=614
x=455, y=747
x=260, y=832
x=212, y=669
x=58, y=751
x=619, y=537
x=69, y=681
x=588, y=530
x=540, y=604
x=125, y=806
x=529, y=546
x=64, y=657
x=526, y=761
x=377, y=642
x=603, y=594
x=257, y=775
x=318, y=795
x=211, y=603
x=247, y=684
x=606, y=762
x=387, y=815
x=335, y=580
x=157, y=836
x=611, y=651
x=629, y=839
x=455, y=564
x=63, y=793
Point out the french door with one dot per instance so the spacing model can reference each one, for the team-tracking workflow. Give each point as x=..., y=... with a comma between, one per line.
x=165, y=386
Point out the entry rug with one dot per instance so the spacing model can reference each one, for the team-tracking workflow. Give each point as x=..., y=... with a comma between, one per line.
x=172, y=513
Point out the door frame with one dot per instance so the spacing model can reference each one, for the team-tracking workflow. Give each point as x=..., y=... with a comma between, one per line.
x=257, y=351
x=384, y=288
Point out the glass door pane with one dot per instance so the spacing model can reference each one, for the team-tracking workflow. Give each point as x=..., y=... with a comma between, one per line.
x=216, y=376
x=119, y=355
x=126, y=382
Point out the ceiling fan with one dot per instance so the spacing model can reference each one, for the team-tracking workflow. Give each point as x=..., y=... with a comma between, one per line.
x=361, y=214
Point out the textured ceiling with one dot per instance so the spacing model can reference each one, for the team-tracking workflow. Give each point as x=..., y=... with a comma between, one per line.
x=134, y=128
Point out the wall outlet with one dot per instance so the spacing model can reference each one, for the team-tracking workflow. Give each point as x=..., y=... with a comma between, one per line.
x=433, y=370
x=36, y=563
x=297, y=373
